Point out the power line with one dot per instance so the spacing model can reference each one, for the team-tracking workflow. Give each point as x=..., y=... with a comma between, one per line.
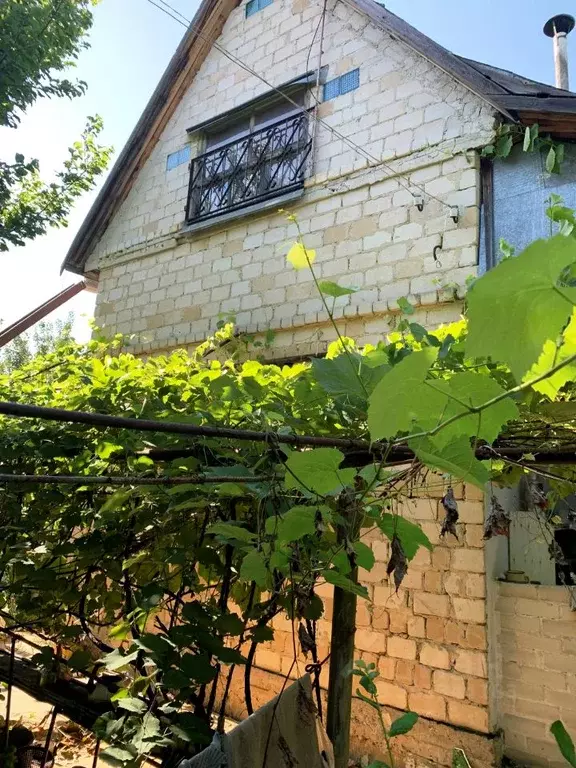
x=169, y=10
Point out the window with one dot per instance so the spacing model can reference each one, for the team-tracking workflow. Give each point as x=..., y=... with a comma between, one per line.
x=177, y=158
x=253, y=6
x=255, y=155
x=341, y=85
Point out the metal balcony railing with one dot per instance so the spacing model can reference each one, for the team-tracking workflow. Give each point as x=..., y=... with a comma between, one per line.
x=264, y=164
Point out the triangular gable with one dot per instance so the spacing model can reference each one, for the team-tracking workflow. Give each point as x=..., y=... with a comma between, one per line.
x=203, y=32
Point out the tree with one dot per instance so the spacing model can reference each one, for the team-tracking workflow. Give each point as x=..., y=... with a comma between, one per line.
x=45, y=338
x=39, y=39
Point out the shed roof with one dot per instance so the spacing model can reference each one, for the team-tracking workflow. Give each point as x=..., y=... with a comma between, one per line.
x=514, y=96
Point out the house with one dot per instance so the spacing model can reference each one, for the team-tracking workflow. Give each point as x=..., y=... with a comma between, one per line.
x=370, y=134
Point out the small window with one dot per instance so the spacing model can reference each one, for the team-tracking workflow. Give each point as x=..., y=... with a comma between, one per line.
x=341, y=85
x=253, y=6
x=180, y=157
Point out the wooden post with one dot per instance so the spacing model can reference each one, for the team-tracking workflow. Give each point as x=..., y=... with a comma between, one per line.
x=340, y=681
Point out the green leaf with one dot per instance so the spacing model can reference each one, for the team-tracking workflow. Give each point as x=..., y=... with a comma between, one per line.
x=551, y=160
x=116, y=659
x=403, y=724
x=197, y=667
x=459, y=759
x=504, y=146
x=115, y=501
x=410, y=534
x=564, y=741
x=231, y=532
x=551, y=356
x=405, y=307
x=175, y=679
x=399, y=400
x=348, y=375
x=473, y=389
x=132, y=705
x=378, y=764
x=229, y=624
x=516, y=307
x=314, y=609
x=335, y=578
x=364, y=555
x=79, y=659
x=298, y=522
x=317, y=471
x=456, y=458
x=254, y=568
x=156, y=644
x=329, y=288
x=527, y=139
x=191, y=728
x=117, y=755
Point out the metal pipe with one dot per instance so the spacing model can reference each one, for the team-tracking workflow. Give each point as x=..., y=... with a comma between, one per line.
x=558, y=28
x=12, y=331
x=561, y=61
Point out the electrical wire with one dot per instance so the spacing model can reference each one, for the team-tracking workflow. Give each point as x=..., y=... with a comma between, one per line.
x=169, y=10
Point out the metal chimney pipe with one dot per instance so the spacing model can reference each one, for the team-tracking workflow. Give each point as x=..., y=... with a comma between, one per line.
x=558, y=28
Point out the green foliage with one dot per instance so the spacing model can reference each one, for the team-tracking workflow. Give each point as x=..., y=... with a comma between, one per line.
x=45, y=337
x=39, y=39
x=564, y=741
x=189, y=578
x=508, y=135
x=368, y=692
x=524, y=302
x=318, y=471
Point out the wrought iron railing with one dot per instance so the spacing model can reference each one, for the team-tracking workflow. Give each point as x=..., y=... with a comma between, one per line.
x=262, y=165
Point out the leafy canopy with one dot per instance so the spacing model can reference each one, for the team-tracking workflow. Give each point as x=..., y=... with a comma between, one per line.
x=39, y=40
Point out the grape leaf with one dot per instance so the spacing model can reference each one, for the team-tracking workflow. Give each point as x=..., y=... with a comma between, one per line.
x=364, y=555
x=456, y=458
x=516, y=307
x=347, y=375
x=400, y=398
x=317, y=470
x=335, y=578
x=231, y=532
x=473, y=389
x=253, y=568
x=551, y=355
x=116, y=659
x=294, y=525
x=329, y=288
x=410, y=534
x=133, y=705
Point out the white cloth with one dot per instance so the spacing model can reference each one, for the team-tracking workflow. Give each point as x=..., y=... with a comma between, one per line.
x=284, y=733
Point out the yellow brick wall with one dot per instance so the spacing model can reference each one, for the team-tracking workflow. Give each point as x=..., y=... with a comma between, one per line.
x=428, y=640
x=536, y=669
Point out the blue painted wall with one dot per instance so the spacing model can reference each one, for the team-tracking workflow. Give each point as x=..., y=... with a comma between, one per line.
x=521, y=188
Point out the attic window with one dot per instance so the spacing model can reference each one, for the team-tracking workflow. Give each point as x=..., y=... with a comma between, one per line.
x=253, y=158
x=341, y=85
x=253, y=6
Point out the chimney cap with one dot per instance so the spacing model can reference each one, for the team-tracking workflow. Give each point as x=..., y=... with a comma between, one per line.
x=561, y=23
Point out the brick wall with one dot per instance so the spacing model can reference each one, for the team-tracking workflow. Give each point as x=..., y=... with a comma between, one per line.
x=429, y=640
x=167, y=289
x=536, y=674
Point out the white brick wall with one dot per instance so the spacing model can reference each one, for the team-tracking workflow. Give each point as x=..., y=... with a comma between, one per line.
x=362, y=221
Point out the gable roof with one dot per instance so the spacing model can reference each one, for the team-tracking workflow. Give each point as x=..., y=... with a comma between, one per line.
x=515, y=97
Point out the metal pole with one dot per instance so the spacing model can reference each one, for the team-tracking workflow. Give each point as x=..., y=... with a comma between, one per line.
x=561, y=61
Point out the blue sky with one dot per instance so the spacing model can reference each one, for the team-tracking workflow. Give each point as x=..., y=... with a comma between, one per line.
x=131, y=43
